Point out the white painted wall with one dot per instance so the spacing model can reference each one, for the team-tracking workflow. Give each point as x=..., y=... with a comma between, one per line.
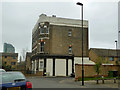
x=60, y=67
x=69, y=67
x=41, y=69
x=49, y=67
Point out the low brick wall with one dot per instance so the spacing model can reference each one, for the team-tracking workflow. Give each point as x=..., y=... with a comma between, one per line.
x=89, y=70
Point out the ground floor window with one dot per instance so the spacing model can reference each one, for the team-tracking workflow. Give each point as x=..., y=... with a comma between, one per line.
x=41, y=64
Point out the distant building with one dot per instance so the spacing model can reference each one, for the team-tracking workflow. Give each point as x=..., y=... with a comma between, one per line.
x=8, y=48
x=10, y=59
x=57, y=45
x=110, y=59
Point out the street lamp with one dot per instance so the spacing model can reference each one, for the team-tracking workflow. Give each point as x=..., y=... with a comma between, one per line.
x=78, y=3
x=116, y=44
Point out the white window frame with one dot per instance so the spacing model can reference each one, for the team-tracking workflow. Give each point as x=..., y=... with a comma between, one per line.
x=42, y=47
x=70, y=33
x=42, y=30
x=70, y=50
x=47, y=30
x=41, y=64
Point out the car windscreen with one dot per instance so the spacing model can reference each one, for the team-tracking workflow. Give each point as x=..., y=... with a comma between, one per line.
x=12, y=77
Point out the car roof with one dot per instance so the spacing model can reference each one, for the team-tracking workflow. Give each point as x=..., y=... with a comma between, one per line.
x=12, y=72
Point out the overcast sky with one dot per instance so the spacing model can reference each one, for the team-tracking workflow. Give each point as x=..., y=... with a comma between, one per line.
x=19, y=18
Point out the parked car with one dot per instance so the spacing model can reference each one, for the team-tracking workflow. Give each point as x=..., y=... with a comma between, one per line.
x=14, y=81
x=2, y=70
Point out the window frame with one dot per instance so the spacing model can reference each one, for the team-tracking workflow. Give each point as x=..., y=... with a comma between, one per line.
x=70, y=50
x=111, y=58
x=42, y=47
x=41, y=64
x=69, y=33
x=13, y=62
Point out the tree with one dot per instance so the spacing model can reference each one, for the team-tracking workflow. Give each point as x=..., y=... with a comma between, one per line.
x=98, y=65
x=97, y=68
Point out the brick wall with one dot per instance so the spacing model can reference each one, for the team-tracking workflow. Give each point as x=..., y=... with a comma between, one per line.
x=89, y=70
x=8, y=61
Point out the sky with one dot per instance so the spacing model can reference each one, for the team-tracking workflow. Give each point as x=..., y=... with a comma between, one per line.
x=17, y=20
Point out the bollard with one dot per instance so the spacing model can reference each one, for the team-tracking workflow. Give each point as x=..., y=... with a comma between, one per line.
x=114, y=80
x=97, y=82
x=103, y=81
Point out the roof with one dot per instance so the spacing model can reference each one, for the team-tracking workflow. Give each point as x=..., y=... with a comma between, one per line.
x=106, y=52
x=60, y=21
x=9, y=54
x=86, y=60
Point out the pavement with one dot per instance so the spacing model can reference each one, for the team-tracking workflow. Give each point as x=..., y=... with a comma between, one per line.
x=68, y=82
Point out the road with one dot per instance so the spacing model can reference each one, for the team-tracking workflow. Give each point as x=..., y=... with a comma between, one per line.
x=66, y=82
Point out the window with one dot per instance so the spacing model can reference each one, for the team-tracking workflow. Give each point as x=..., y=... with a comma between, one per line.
x=14, y=57
x=47, y=30
x=119, y=58
x=41, y=64
x=42, y=46
x=70, y=49
x=5, y=56
x=70, y=33
x=42, y=30
x=5, y=63
x=111, y=58
x=13, y=63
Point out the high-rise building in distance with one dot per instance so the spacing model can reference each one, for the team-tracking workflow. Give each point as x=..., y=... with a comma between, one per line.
x=8, y=48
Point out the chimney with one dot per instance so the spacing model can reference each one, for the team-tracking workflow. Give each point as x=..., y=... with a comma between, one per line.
x=53, y=15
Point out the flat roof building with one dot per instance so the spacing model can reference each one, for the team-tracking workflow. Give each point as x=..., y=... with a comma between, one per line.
x=58, y=41
x=10, y=59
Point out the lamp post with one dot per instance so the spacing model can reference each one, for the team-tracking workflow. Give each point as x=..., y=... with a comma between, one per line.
x=116, y=44
x=116, y=49
x=78, y=3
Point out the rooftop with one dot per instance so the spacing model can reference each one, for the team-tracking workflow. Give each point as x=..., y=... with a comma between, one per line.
x=53, y=20
x=106, y=52
x=8, y=54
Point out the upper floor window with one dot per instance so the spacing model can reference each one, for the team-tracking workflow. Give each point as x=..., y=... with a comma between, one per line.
x=13, y=63
x=111, y=58
x=42, y=46
x=14, y=57
x=70, y=33
x=5, y=63
x=70, y=49
x=119, y=58
x=5, y=56
x=47, y=30
x=42, y=30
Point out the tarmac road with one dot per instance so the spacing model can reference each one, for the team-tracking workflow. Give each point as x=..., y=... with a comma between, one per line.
x=67, y=82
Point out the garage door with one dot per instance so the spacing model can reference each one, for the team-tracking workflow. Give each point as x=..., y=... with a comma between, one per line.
x=60, y=67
